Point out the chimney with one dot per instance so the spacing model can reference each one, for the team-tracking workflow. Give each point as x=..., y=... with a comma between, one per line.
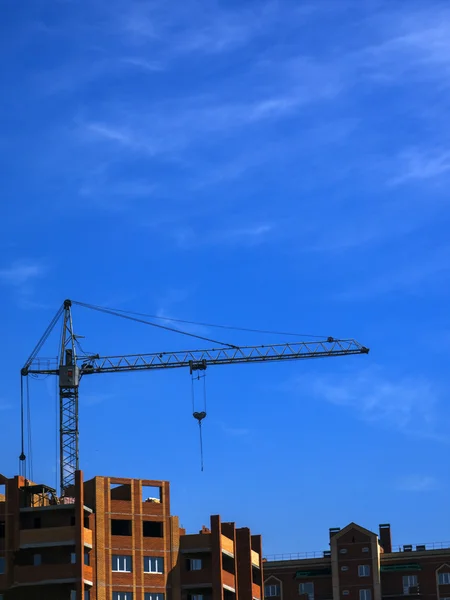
x=385, y=537
x=334, y=531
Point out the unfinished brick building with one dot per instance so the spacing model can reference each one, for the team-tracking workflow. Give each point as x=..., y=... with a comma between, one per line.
x=362, y=566
x=115, y=539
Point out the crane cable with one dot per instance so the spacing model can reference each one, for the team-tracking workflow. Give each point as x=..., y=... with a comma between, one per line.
x=199, y=416
x=30, y=452
x=22, y=457
x=123, y=315
x=199, y=323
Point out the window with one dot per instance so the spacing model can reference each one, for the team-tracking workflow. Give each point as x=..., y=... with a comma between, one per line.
x=409, y=581
x=120, y=527
x=196, y=597
x=151, y=494
x=122, y=596
x=194, y=564
x=2, y=565
x=87, y=594
x=444, y=578
x=343, y=551
x=365, y=594
x=73, y=558
x=153, y=564
x=345, y=592
x=73, y=595
x=366, y=549
x=271, y=590
x=344, y=568
x=151, y=596
x=307, y=588
x=87, y=558
x=121, y=563
x=152, y=529
x=120, y=491
x=37, y=560
x=363, y=570
x=37, y=522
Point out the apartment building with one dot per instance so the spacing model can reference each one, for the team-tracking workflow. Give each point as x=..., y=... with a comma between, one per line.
x=361, y=565
x=221, y=562
x=115, y=539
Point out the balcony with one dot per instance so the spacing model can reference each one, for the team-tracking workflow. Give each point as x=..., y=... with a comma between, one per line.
x=87, y=537
x=47, y=536
x=227, y=545
x=229, y=580
x=29, y=575
x=52, y=536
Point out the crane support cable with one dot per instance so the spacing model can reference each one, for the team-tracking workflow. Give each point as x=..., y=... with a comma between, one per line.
x=43, y=339
x=116, y=313
x=216, y=326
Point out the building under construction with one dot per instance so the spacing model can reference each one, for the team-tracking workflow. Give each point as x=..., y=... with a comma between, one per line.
x=115, y=539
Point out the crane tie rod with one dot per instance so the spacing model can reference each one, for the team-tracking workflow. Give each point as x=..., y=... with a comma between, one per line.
x=215, y=325
x=110, y=311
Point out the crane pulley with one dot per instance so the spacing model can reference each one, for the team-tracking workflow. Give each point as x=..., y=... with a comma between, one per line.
x=72, y=368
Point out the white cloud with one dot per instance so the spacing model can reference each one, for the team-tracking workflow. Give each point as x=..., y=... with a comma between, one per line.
x=416, y=45
x=21, y=273
x=236, y=431
x=249, y=235
x=420, y=165
x=410, y=276
x=143, y=64
x=95, y=399
x=417, y=483
x=409, y=405
x=196, y=27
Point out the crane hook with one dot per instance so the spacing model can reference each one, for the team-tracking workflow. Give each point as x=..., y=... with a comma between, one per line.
x=200, y=416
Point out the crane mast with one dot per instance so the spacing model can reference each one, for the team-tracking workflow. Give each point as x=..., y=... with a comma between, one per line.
x=72, y=368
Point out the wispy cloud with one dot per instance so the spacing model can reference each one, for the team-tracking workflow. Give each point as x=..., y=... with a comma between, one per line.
x=20, y=273
x=194, y=27
x=179, y=125
x=236, y=431
x=409, y=275
x=415, y=45
x=419, y=165
x=22, y=276
x=96, y=399
x=410, y=405
x=417, y=483
x=5, y=405
x=142, y=64
x=250, y=235
x=116, y=195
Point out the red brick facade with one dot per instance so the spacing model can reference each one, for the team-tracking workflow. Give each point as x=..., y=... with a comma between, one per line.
x=109, y=541
x=362, y=566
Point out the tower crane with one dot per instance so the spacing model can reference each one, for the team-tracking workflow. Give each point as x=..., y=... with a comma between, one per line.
x=71, y=368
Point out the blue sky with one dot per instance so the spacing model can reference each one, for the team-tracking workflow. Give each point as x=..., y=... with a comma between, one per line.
x=278, y=165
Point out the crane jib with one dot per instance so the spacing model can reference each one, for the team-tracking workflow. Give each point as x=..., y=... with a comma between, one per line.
x=71, y=367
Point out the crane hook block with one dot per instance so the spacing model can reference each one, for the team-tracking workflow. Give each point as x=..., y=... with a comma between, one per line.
x=197, y=365
x=199, y=416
